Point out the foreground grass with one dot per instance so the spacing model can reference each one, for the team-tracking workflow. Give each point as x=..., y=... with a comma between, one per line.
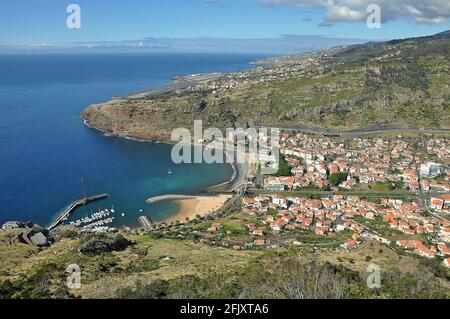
x=169, y=268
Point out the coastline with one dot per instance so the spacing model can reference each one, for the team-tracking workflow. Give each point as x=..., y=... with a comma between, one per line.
x=237, y=179
x=206, y=203
x=202, y=204
x=191, y=206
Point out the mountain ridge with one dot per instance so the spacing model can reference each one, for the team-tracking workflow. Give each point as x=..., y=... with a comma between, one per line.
x=397, y=82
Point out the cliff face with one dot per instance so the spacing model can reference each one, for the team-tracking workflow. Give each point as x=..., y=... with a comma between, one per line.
x=117, y=119
x=401, y=82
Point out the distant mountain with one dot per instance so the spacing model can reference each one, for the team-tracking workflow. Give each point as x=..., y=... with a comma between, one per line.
x=401, y=82
x=285, y=44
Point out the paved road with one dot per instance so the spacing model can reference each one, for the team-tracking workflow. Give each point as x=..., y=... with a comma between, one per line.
x=288, y=240
x=178, y=85
x=378, y=129
x=424, y=203
x=362, y=193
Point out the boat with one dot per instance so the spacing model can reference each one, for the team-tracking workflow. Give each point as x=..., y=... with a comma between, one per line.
x=169, y=171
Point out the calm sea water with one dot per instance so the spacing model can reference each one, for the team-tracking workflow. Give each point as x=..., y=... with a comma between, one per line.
x=45, y=149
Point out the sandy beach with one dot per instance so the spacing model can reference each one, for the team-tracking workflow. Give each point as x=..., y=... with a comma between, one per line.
x=198, y=205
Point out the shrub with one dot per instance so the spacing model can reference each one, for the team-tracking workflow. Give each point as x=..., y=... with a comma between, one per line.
x=93, y=244
x=69, y=233
x=337, y=178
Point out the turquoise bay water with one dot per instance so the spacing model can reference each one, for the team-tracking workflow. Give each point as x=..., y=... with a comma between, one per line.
x=45, y=149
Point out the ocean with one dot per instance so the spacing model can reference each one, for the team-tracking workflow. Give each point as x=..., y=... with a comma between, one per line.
x=45, y=149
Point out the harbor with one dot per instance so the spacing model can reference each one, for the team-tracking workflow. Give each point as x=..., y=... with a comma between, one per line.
x=65, y=214
x=98, y=220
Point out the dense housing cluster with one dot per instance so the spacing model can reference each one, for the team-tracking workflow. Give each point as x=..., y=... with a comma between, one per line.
x=391, y=189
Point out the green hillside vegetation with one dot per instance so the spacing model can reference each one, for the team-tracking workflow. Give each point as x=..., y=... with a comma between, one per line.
x=167, y=268
x=401, y=82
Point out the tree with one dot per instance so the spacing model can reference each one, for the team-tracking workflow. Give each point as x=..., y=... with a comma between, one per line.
x=283, y=168
x=336, y=178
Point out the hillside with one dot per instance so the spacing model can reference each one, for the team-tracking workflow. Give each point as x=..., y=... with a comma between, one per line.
x=168, y=268
x=400, y=82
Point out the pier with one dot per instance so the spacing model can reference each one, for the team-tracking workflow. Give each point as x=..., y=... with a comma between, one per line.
x=163, y=198
x=145, y=222
x=65, y=214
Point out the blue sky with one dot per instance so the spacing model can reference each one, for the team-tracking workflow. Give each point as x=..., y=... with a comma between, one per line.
x=44, y=21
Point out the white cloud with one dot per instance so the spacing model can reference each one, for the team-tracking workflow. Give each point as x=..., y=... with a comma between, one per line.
x=419, y=11
x=343, y=13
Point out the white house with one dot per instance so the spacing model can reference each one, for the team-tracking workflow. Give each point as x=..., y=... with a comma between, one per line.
x=12, y=225
x=447, y=262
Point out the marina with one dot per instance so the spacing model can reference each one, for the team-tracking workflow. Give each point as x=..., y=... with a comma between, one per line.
x=65, y=214
x=95, y=220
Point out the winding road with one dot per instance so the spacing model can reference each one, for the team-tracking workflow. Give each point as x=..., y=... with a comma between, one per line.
x=375, y=129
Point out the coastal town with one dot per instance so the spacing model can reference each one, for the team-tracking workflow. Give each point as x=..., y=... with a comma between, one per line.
x=394, y=190
x=218, y=158
x=332, y=192
x=338, y=193
x=264, y=72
